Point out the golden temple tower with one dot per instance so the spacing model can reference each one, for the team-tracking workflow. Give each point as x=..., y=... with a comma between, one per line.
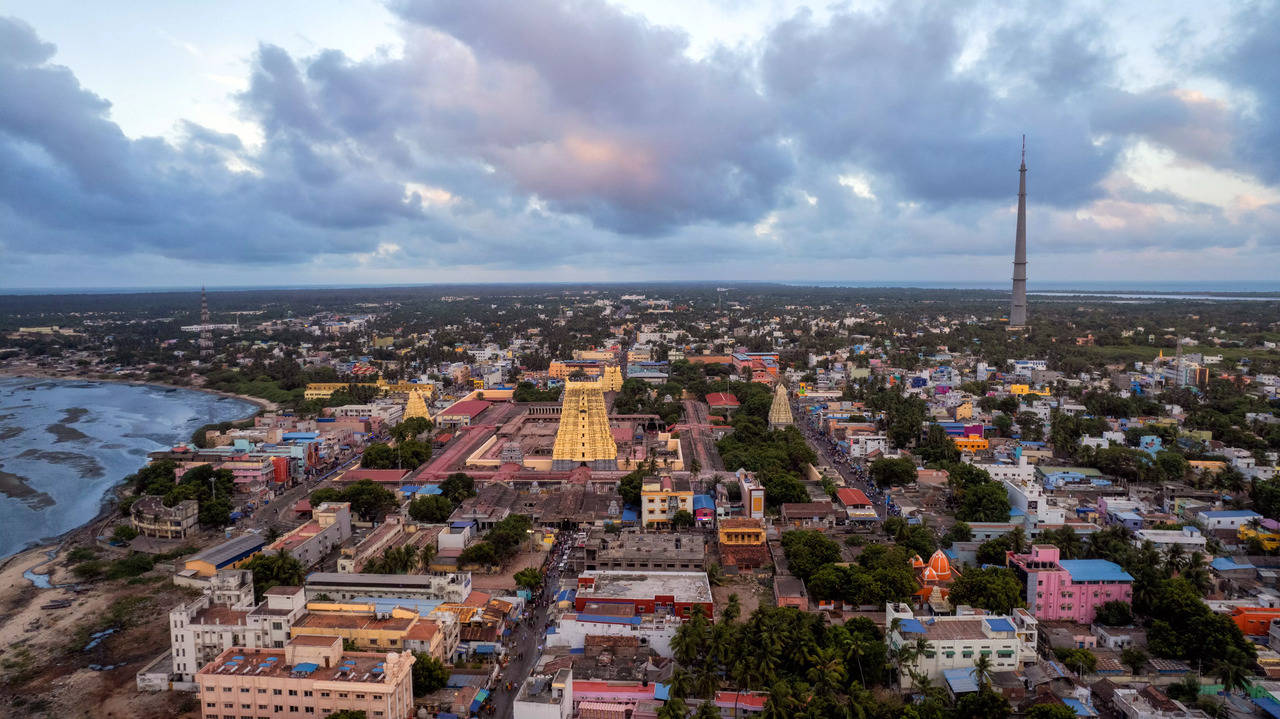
x=416, y=406
x=612, y=380
x=584, y=436
x=780, y=411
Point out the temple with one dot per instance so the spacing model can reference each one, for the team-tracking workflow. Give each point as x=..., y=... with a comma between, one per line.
x=780, y=411
x=416, y=406
x=583, y=436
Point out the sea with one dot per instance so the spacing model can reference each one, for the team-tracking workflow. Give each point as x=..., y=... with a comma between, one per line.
x=65, y=443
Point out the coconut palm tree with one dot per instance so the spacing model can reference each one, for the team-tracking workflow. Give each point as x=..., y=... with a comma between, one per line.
x=1175, y=558
x=827, y=672
x=983, y=672
x=1232, y=672
x=1197, y=573
x=681, y=683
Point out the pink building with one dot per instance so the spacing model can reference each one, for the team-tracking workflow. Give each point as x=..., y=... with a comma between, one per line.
x=1070, y=589
x=310, y=677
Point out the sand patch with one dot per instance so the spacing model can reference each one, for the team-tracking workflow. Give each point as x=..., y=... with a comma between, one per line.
x=15, y=486
x=63, y=433
x=88, y=467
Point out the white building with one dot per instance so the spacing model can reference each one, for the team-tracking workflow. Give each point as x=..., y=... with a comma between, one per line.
x=545, y=697
x=1232, y=519
x=225, y=616
x=955, y=642
x=1009, y=472
x=1189, y=538
x=655, y=631
x=860, y=445
x=1028, y=495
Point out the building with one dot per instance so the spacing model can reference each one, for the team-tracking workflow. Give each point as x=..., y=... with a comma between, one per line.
x=780, y=410
x=752, y=493
x=809, y=514
x=856, y=505
x=955, y=642
x=328, y=528
x=336, y=586
x=461, y=414
x=647, y=552
x=393, y=532
x=1068, y=589
x=1254, y=621
x=310, y=676
x=416, y=406
x=743, y=545
x=545, y=697
x=662, y=497
x=1232, y=519
x=231, y=554
x=583, y=436
x=1189, y=538
x=645, y=593
x=724, y=402
x=151, y=518
x=225, y=616
x=373, y=628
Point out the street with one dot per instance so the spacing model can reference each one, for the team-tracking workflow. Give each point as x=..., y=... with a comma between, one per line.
x=854, y=473
x=526, y=641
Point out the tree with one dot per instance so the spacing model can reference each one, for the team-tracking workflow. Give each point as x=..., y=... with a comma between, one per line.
x=673, y=708
x=457, y=487
x=682, y=519
x=378, y=455
x=1070, y=545
x=993, y=551
x=124, y=534
x=995, y=589
x=959, y=532
x=369, y=499
x=1115, y=613
x=893, y=472
x=1233, y=671
x=629, y=487
x=529, y=578
x=429, y=674
x=807, y=551
x=1134, y=658
x=1082, y=661
x=732, y=609
x=707, y=710
x=430, y=508
x=348, y=714
x=985, y=503
x=938, y=446
x=275, y=570
x=982, y=705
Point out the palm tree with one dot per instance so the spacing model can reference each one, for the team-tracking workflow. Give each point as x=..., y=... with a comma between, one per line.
x=681, y=683
x=983, y=672
x=674, y=708
x=1197, y=573
x=731, y=609
x=827, y=673
x=1232, y=672
x=1175, y=558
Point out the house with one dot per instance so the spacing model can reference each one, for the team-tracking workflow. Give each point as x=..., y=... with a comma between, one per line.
x=808, y=514
x=662, y=497
x=722, y=402
x=647, y=593
x=151, y=518
x=955, y=642
x=1231, y=519
x=1070, y=589
x=742, y=544
x=857, y=506
x=230, y=554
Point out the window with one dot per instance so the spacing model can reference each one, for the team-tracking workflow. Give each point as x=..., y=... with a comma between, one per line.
x=276, y=692
x=244, y=690
x=324, y=694
x=293, y=692
x=306, y=692
x=279, y=708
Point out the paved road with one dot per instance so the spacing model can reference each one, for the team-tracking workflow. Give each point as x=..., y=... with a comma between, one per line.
x=854, y=476
x=700, y=440
x=525, y=643
x=269, y=515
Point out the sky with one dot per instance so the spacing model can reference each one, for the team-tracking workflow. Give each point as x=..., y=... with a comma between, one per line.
x=152, y=143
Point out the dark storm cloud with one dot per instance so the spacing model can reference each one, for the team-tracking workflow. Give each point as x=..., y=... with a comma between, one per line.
x=544, y=133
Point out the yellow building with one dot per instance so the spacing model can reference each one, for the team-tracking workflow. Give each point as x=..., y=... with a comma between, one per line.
x=372, y=630
x=972, y=443
x=325, y=390
x=1021, y=389
x=583, y=436
x=1269, y=539
x=662, y=497
x=1206, y=466
x=964, y=410
x=780, y=410
x=742, y=531
x=561, y=369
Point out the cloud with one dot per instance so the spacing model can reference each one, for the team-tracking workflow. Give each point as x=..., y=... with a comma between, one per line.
x=545, y=133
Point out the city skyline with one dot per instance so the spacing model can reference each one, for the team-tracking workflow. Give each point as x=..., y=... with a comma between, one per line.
x=436, y=142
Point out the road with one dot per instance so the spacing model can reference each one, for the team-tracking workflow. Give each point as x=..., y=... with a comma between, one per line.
x=701, y=442
x=854, y=475
x=526, y=642
x=269, y=515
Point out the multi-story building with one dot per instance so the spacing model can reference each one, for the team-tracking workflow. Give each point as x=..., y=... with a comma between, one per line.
x=743, y=544
x=373, y=628
x=453, y=587
x=956, y=642
x=329, y=527
x=151, y=518
x=636, y=551
x=225, y=616
x=309, y=677
x=662, y=497
x=392, y=533
x=752, y=494
x=230, y=554
x=1068, y=589
x=545, y=697
x=648, y=593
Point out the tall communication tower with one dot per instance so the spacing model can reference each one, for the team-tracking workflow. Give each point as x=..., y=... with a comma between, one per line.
x=206, y=328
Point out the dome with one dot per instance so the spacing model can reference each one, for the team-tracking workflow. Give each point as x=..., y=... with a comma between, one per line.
x=929, y=575
x=917, y=562
x=941, y=565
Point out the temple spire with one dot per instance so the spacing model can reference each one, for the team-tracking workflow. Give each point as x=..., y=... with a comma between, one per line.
x=1018, y=307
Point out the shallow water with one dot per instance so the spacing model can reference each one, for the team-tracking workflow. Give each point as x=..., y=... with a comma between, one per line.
x=53, y=476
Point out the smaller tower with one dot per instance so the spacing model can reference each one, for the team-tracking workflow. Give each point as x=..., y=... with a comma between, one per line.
x=206, y=328
x=780, y=411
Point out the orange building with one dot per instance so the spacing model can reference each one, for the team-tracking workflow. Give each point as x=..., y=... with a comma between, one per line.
x=1254, y=621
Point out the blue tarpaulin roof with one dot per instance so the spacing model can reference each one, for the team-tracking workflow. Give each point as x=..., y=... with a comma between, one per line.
x=912, y=626
x=306, y=667
x=961, y=681
x=1000, y=624
x=1094, y=570
x=703, y=501
x=661, y=692
x=1226, y=564
x=630, y=515
x=484, y=649
x=1268, y=705
x=480, y=697
x=1080, y=708
x=566, y=595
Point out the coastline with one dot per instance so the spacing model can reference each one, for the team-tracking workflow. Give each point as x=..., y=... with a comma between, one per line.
x=264, y=405
x=110, y=498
